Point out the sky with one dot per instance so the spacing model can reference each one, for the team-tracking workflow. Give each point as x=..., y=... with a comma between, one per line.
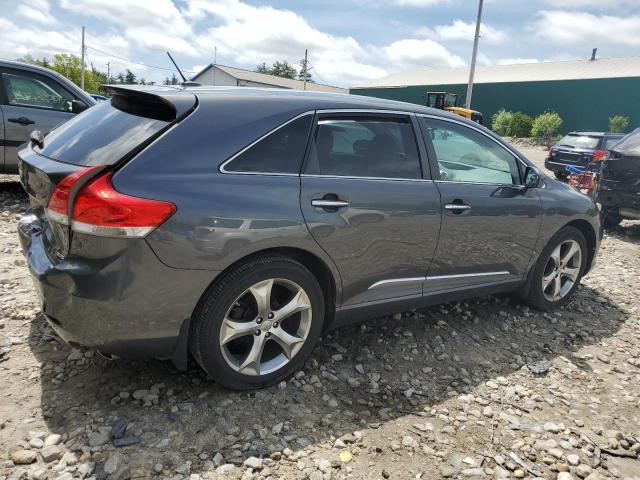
x=349, y=41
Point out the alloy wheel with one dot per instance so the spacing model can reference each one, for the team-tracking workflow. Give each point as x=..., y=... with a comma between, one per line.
x=265, y=327
x=561, y=270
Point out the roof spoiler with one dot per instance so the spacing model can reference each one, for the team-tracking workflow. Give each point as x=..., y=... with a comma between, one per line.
x=164, y=103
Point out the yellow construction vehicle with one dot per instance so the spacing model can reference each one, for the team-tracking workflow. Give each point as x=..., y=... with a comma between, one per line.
x=451, y=103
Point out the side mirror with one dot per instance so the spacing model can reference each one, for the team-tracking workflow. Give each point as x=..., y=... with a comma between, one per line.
x=531, y=178
x=78, y=107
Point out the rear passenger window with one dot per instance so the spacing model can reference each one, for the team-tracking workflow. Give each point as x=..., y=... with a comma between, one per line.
x=279, y=152
x=383, y=147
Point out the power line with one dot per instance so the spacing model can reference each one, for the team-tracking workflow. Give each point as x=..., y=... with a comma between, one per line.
x=133, y=61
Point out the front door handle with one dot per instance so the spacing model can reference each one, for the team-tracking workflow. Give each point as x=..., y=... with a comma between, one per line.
x=323, y=203
x=21, y=120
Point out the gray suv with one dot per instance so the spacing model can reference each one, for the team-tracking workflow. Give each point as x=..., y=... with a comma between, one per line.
x=33, y=98
x=237, y=225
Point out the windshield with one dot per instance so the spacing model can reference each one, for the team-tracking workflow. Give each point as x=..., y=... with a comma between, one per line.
x=579, y=141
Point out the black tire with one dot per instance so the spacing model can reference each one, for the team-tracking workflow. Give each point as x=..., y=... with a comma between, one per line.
x=560, y=176
x=219, y=298
x=610, y=218
x=535, y=296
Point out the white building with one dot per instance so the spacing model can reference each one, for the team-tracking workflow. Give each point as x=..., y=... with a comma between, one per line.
x=221, y=75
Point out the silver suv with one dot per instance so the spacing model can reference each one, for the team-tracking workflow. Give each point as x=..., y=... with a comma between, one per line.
x=33, y=98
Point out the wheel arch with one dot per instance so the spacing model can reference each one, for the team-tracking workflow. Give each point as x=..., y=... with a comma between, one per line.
x=589, y=235
x=329, y=284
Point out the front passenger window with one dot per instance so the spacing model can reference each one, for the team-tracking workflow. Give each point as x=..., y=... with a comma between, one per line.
x=36, y=91
x=359, y=146
x=466, y=155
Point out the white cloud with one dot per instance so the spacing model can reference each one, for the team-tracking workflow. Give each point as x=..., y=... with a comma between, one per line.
x=601, y=4
x=419, y=3
x=516, y=61
x=426, y=53
x=38, y=11
x=587, y=29
x=461, y=30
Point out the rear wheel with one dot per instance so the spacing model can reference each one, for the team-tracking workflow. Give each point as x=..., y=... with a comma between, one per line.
x=559, y=270
x=258, y=323
x=560, y=175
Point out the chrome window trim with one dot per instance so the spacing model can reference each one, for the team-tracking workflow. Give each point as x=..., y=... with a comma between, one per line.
x=364, y=110
x=436, y=277
x=222, y=166
x=350, y=177
x=508, y=149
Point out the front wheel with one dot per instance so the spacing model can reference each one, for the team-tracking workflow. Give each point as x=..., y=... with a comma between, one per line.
x=558, y=270
x=258, y=323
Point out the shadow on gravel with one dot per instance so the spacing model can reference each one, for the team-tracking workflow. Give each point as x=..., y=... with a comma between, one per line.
x=360, y=375
x=628, y=231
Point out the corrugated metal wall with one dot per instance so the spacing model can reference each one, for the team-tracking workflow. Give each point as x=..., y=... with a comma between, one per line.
x=582, y=104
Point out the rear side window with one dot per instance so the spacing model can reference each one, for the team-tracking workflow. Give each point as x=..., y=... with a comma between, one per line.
x=610, y=142
x=101, y=135
x=378, y=146
x=281, y=151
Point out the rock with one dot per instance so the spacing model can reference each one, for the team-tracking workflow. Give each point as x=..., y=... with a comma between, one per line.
x=53, y=439
x=573, y=459
x=38, y=473
x=118, y=428
x=226, y=469
x=75, y=355
x=23, y=457
x=551, y=427
x=447, y=471
x=253, y=462
x=97, y=439
x=472, y=472
x=565, y=476
x=36, y=443
x=409, y=442
x=583, y=470
x=50, y=453
x=114, y=463
x=126, y=441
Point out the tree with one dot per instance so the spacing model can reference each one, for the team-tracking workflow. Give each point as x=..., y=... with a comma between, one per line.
x=262, y=68
x=70, y=66
x=279, y=69
x=305, y=67
x=130, y=77
x=501, y=121
x=546, y=126
x=618, y=124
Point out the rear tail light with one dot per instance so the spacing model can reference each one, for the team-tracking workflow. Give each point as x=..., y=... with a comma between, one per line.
x=599, y=155
x=99, y=209
x=58, y=206
x=551, y=151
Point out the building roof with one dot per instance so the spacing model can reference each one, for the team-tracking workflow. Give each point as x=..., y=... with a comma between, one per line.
x=249, y=76
x=524, y=72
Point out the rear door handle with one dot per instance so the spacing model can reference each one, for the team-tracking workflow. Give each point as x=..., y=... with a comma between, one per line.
x=322, y=203
x=457, y=207
x=21, y=120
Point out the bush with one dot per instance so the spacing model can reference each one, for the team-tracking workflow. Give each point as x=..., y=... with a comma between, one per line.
x=520, y=125
x=546, y=126
x=511, y=124
x=500, y=122
x=618, y=124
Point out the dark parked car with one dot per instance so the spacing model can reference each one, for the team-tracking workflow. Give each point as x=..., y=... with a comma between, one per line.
x=33, y=98
x=580, y=149
x=619, y=186
x=239, y=224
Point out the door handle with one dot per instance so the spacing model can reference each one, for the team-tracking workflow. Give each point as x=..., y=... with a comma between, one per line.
x=457, y=207
x=21, y=120
x=322, y=203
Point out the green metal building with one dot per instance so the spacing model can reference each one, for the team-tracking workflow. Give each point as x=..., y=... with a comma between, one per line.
x=584, y=92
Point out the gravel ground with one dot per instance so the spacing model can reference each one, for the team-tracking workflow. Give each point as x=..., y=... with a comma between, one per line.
x=443, y=392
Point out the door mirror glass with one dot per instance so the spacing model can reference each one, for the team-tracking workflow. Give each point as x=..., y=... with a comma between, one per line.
x=78, y=107
x=531, y=178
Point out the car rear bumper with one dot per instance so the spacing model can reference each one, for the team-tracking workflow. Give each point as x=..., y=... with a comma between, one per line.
x=123, y=302
x=560, y=166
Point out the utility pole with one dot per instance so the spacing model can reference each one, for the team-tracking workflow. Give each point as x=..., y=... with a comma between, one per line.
x=82, y=62
x=108, y=72
x=473, y=55
x=304, y=86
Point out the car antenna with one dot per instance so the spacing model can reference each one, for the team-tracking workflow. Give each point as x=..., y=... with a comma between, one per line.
x=185, y=82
